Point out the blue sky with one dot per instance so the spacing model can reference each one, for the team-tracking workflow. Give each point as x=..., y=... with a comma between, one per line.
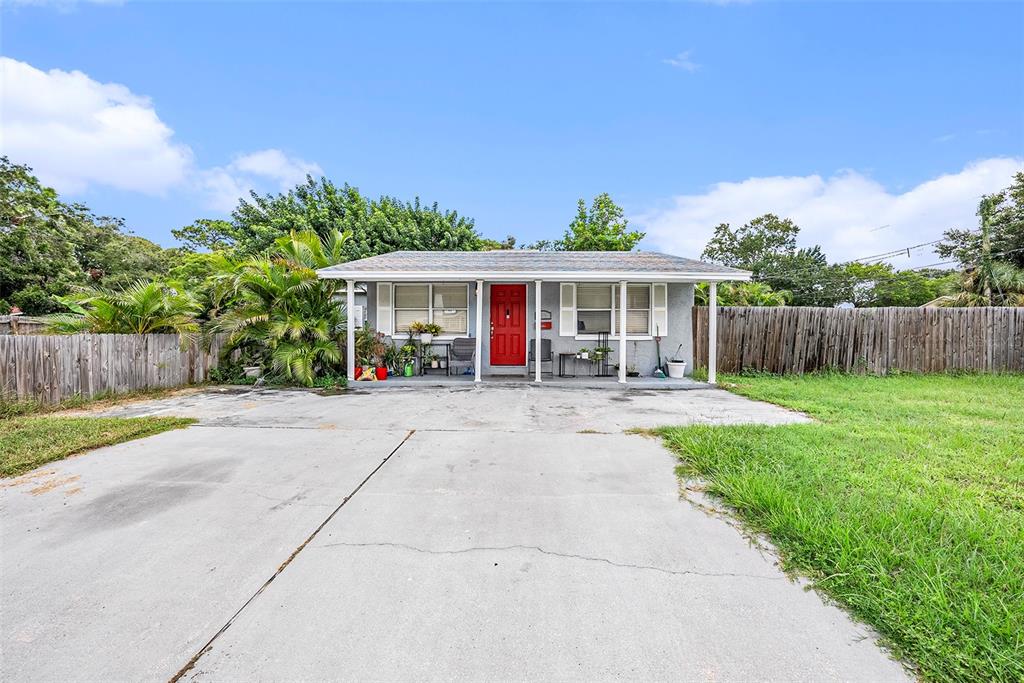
x=845, y=116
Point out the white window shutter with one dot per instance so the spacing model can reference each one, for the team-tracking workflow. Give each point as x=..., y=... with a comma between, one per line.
x=384, y=308
x=659, y=309
x=567, y=310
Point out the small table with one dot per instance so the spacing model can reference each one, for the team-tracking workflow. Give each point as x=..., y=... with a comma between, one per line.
x=562, y=358
x=447, y=357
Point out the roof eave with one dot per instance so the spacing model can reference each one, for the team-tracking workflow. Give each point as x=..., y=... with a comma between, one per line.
x=562, y=276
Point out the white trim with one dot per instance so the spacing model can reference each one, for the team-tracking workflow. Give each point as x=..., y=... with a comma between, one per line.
x=478, y=361
x=385, y=308
x=659, y=314
x=536, y=337
x=623, y=311
x=430, y=309
x=629, y=337
x=650, y=309
x=512, y=277
x=567, y=325
x=712, y=333
x=350, y=332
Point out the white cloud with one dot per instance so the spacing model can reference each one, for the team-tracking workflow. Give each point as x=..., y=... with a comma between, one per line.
x=76, y=131
x=842, y=213
x=224, y=185
x=682, y=61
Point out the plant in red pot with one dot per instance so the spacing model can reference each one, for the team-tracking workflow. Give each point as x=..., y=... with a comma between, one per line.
x=379, y=349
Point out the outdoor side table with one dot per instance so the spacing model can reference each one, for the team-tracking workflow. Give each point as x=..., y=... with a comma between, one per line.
x=562, y=363
x=447, y=357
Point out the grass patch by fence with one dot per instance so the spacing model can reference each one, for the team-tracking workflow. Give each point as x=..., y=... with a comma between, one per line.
x=29, y=442
x=905, y=502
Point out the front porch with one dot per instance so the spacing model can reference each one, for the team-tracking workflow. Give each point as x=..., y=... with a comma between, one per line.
x=519, y=316
x=465, y=381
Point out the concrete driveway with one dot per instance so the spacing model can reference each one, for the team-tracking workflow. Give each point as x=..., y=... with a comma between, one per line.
x=496, y=533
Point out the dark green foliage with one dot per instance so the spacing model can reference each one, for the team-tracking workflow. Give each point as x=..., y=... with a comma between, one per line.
x=767, y=247
x=376, y=226
x=603, y=227
x=1006, y=228
x=285, y=318
x=48, y=246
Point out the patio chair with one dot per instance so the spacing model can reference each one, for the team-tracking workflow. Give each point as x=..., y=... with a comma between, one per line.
x=462, y=352
x=545, y=357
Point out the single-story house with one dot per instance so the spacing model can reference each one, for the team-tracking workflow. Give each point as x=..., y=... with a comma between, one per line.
x=508, y=301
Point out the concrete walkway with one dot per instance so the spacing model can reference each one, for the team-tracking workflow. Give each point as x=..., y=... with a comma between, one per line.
x=487, y=534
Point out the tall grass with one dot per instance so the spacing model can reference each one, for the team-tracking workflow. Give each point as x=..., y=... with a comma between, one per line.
x=905, y=503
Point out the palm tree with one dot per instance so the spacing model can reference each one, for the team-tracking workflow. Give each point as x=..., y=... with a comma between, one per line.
x=139, y=308
x=285, y=316
x=743, y=294
x=998, y=284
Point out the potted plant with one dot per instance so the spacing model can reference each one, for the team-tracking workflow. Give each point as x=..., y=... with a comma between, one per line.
x=393, y=359
x=426, y=331
x=408, y=355
x=379, y=362
x=583, y=353
x=677, y=365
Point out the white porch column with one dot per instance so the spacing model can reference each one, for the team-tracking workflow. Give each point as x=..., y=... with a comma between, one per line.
x=712, y=332
x=536, y=336
x=622, y=332
x=477, y=360
x=350, y=343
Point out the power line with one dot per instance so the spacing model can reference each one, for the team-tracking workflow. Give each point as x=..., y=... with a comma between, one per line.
x=874, y=257
x=839, y=277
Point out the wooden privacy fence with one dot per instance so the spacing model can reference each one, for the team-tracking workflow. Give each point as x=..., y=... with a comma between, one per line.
x=876, y=340
x=51, y=368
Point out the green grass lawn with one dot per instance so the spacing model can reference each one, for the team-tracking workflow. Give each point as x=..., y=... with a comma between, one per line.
x=28, y=442
x=904, y=502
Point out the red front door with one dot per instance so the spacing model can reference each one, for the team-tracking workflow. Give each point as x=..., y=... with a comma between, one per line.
x=508, y=324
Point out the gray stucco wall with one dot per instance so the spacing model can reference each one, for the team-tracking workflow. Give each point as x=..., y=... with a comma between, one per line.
x=639, y=353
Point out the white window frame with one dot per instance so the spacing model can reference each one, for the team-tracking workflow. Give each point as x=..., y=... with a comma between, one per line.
x=652, y=312
x=445, y=334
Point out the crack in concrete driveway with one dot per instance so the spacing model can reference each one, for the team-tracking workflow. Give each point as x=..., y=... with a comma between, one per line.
x=568, y=556
x=525, y=541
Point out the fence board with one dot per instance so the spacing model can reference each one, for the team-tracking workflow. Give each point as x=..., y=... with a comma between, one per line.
x=875, y=340
x=51, y=368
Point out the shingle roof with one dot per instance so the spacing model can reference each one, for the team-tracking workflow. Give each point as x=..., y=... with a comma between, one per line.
x=533, y=263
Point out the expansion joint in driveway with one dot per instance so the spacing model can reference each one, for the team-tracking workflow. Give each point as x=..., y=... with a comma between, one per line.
x=209, y=644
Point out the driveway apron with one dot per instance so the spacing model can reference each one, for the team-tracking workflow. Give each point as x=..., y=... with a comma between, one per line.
x=398, y=537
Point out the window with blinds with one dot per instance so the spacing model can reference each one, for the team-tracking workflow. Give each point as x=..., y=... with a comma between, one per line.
x=593, y=308
x=638, y=309
x=597, y=309
x=446, y=305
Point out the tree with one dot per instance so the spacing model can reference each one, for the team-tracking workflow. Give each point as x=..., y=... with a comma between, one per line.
x=756, y=246
x=1005, y=212
x=1000, y=285
x=742, y=294
x=912, y=287
x=48, y=246
x=601, y=228
x=287, y=319
x=376, y=226
x=487, y=244
x=139, y=308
